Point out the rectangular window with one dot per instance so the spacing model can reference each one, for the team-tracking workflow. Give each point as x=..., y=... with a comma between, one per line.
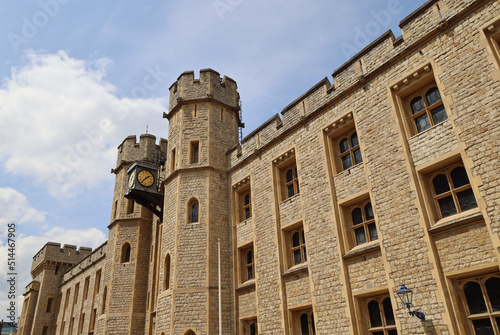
x=97, y=283
x=130, y=206
x=450, y=191
x=45, y=330
x=194, y=152
x=492, y=34
x=343, y=144
x=75, y=298
x=172, y=160
x=92, y=319
x=71, y=323
x=80, y=325
x=247, y=263
x=116, y=209
x=480, y=296
x=379, y=315
x=49, y=305
x=66, y=302
x=419, y=101
x=86, y=288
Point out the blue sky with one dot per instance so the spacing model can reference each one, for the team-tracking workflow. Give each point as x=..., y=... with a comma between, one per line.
x=77, y=77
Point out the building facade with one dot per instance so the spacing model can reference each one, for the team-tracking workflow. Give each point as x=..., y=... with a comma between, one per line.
x=387, y=176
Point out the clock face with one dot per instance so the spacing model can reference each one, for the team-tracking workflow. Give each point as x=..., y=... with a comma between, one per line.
x=131, y=179
x=145, y=178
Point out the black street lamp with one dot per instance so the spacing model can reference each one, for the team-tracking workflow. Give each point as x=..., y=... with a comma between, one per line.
x=406, y=296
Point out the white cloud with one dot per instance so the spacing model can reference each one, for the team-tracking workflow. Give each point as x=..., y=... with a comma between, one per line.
x=14, y=207
x=27, y=247
x=63, y=121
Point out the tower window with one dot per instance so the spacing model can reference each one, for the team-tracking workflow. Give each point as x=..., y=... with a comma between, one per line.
x=194, y=152
x=193, y=211
x=125, y=254
x=166, y=274
x=130, y=206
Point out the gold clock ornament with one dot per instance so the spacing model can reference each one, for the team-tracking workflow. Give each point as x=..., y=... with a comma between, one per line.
x=145, y=178
x=131, y=179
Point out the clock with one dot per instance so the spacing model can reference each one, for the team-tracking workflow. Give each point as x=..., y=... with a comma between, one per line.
x=131, y=179
x=145, y=178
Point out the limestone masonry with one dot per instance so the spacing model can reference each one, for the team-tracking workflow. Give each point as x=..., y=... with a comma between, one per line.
x=388, y=175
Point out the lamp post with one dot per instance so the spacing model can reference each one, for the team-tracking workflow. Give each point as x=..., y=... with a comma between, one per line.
x=406, y=296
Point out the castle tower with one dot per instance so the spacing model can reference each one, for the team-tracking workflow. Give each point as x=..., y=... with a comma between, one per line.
x=130, y=237
x=42, y=294
x=203, y=125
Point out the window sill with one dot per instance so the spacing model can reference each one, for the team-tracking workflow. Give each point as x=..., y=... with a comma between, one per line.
x=457, y=220
x=363, y=249
x=348, y=170
x=296, y=269
x=440, y=124
x=246, y=285
x=290, y=199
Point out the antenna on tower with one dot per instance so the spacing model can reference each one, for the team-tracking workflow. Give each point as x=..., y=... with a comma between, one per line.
x=146, y=128
x=241, y=123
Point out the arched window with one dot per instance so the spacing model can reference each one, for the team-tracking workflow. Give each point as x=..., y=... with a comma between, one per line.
x=452, y=191
x=482, y=297
x=298, y=246
x=304, y=323
x=166, y=273
x=253, y=329
x=363, y=223
x=350, y=154
x=125, y=254
x=190, y=332
x=104, y=296
x=427, y=109
x=194, y=209
x=381, y=316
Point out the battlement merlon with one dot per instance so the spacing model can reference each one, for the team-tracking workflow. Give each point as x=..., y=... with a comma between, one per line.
x=130, y=150
x=209, y=87
x=52, y=252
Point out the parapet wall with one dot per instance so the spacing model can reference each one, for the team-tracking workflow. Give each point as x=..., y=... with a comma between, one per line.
x=422, y=25
x=210, y=85
x=52, y=252
x=129, y=150
x=91, y=259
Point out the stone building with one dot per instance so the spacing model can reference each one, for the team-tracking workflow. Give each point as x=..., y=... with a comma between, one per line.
x=387, y=176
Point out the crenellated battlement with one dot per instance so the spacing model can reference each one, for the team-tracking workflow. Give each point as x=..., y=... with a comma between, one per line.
x=130, y=150
x=422, y=25
x=52, y=252
x=210, y=86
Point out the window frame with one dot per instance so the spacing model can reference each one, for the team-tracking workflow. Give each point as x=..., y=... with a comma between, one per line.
x=409, y=86
x=422, y=93
x=290, y=249
x=342, y=128
x=385, y=328
x=190, y=220
x=453, y=192
x=283, y=164
x=125, y=256
x=364, y=224
x=194, y=152
x=243, y=263
x=296, y=321
x=490, y=314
